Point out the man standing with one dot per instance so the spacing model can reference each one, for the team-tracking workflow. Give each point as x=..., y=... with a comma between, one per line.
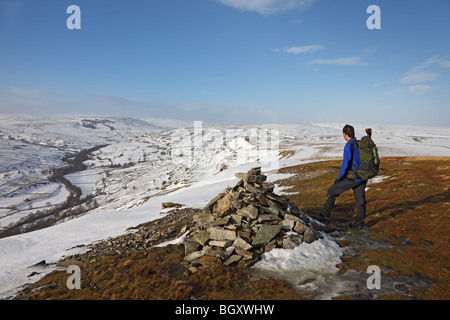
x=350, y=162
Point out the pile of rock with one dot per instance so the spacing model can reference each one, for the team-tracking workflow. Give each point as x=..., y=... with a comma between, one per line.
x=245, y=221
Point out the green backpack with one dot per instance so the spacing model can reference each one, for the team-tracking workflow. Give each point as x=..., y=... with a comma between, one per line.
x=369, y=160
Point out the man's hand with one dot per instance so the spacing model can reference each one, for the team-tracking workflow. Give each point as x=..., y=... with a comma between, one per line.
x=339, y=179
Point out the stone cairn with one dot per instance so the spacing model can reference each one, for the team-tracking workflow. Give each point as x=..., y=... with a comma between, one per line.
x=243, y=222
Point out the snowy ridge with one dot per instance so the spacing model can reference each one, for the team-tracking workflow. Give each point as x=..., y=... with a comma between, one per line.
x=145, y=164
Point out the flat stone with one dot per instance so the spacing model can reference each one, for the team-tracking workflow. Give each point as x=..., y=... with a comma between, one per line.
x=244, y=253
x=228, y=252
x=200, y=237
x=287, y=224
x=241, y=175
x=194, y=255
x=277, y=198
x=290, y=217
x=232, y=259
x=266, y=232
x=222, y=234
x=253, y=178
x=221, y=243
x=249, y=211
x=241, y=244
x=267, y=217
x=221, y=221
x=205, y=219
x=235, y=218
x=232, y=227
x=190, y=246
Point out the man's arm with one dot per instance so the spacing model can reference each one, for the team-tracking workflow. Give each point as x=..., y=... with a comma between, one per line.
x=345, y=162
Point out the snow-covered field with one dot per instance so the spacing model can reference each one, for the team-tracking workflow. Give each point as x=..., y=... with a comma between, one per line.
x=147, y=162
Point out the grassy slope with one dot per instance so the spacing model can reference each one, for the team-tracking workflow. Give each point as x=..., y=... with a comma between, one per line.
x=157, y=274
x=409, y=210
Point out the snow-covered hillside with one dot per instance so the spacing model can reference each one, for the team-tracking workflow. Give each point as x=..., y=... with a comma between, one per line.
x=32, y=146
x=141, y=164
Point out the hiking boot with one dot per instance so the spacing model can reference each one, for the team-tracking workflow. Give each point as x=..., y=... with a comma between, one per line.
x=357, y=225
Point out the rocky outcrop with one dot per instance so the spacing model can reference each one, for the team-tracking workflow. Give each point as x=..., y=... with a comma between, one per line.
x=243, y=222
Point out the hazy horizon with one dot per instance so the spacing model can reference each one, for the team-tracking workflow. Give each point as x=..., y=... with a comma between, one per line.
x=229, y=61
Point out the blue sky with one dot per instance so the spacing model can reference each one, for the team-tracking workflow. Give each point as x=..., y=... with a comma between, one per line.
x=229, y=61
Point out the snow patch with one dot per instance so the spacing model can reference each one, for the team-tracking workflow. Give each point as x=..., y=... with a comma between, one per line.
x=310, y=268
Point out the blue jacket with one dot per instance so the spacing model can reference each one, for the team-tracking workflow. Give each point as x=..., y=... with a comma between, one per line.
x=346, y=165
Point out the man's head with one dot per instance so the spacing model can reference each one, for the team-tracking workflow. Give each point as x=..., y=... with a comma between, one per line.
x=349, y=132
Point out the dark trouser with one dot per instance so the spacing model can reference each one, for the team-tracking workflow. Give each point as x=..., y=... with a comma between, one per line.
x=359, y=192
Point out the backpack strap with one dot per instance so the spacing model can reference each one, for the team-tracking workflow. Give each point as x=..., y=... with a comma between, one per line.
x=352, y=150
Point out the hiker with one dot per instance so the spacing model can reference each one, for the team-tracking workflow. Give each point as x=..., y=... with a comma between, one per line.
x=343, y=183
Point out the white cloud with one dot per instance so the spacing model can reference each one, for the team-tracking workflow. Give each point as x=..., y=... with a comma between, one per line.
x=430, y=62
x=426, y=72
x=299, y=50
x=445, y=64
x=24, y=92
x=353, y=61
x=419, y=77
x=421, y=89
x=268, y=7
x=370, y=50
